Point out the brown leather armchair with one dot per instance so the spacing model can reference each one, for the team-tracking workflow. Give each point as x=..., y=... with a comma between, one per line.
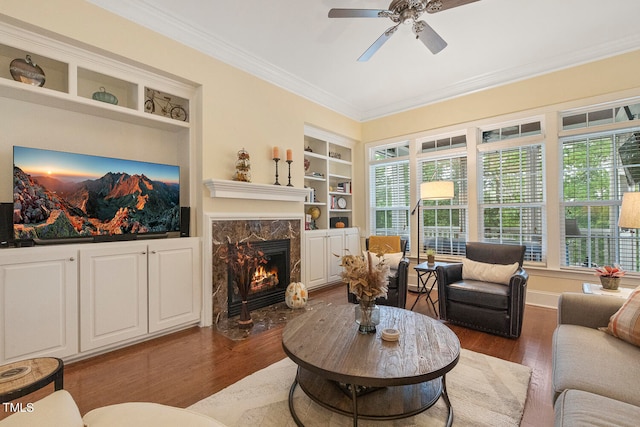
x=491, y=307
x=398, y=279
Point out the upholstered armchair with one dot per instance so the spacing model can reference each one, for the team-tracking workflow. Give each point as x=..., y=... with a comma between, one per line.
x=487, y=291
x=398, y=278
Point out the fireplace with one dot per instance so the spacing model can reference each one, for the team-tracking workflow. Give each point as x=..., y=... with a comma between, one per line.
x=270, y=280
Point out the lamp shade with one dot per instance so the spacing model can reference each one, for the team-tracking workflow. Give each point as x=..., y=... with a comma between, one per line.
x=436, y=190
x=630, y=211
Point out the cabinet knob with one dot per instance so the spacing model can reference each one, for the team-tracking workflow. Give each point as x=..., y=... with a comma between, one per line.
x=72, y=259
x=144, y=253
x=153, y=252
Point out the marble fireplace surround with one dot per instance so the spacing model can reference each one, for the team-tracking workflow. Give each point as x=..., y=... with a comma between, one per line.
x=239, y=229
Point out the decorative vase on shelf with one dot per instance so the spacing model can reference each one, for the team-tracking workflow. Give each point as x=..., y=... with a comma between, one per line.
x=610, y=283
x=367, y=315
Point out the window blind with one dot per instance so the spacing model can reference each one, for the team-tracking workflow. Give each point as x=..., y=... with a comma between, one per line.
x=444, y=222
x=389, y=198
x=512, y=198
x=597, y=169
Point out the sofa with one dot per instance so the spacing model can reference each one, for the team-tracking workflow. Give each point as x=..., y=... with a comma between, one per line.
x=596, y=376
x=60, y=410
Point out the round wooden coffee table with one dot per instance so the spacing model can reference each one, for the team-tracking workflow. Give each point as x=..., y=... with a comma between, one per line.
x=18, y=379
x=363, y=376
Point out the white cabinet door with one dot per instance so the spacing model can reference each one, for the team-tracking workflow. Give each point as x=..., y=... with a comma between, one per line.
x=336, y=248
x=38, y=303
x=175, y=284
x=113, y=294
x=352, y=241
x=315, y=255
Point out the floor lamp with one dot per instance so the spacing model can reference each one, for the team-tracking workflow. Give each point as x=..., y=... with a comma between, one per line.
x=431, y=190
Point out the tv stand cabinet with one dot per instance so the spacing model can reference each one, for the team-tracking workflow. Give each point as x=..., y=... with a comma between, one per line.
x=73, y=301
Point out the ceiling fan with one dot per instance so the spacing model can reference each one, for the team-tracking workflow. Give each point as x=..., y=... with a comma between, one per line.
x=404, y=12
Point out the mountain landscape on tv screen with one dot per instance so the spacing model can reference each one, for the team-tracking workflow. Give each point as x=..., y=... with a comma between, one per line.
x=114, y=204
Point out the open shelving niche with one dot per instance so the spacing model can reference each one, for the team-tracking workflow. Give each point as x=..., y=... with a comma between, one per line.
x=329, y=174
x=41, y=116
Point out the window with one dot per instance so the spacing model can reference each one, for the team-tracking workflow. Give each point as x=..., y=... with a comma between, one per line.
x=389, y=190
x=509, y=132
x=623, y=113
x=444, y=222
x=512, y=198
x=597, y=169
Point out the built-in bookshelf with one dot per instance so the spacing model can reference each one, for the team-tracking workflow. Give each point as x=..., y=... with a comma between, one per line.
x=328, y=173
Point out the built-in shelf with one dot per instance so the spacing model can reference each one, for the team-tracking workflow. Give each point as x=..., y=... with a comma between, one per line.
x=247, y=190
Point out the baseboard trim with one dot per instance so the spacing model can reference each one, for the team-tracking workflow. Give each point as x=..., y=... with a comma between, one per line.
x=543, y=299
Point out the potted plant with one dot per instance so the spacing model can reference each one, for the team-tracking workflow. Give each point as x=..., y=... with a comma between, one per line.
x=610, y=276
x=431, y=256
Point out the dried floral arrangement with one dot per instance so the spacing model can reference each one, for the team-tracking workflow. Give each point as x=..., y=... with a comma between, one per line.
x=243, y=259
x=608, y=271
x=367, y=280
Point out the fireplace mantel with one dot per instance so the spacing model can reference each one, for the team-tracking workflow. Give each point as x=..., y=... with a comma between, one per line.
x=247, y=190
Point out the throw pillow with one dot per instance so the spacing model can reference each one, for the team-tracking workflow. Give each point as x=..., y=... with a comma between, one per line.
x=625, y=323
x=496, y=273
x=384, y=244
x=391, y=259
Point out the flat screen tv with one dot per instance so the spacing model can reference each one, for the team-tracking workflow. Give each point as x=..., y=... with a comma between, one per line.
x=60, y=196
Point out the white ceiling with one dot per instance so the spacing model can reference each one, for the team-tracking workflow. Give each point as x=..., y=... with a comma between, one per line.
x=293, y=44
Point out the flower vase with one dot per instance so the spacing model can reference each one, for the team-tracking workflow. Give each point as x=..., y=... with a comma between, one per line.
x=610, y=283
x=367, y=316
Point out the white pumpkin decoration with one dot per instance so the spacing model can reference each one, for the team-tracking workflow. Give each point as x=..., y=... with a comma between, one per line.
x=296, y=295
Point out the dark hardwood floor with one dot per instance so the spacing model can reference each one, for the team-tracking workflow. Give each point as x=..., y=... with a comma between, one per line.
x=187, y=366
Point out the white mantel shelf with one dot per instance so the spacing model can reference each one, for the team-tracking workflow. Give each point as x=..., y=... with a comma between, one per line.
x=220, y=188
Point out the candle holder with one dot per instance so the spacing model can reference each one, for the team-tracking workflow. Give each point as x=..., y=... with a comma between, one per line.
x=276, y=159
x=289, y=162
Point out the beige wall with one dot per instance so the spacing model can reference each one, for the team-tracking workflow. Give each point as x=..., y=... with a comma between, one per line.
x=601, y=77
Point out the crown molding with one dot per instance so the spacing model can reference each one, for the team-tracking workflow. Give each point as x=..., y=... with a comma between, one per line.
x=507, y=76
x=145, y=13
x=148, y=15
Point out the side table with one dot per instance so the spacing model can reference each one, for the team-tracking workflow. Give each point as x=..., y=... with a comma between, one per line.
x=427, y=272
x=18, y=379
x=593, y=288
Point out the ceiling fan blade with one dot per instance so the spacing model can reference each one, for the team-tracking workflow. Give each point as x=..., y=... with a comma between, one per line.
x=358, y=13
x=377, y=44
x=435, y=6
x=429, y=37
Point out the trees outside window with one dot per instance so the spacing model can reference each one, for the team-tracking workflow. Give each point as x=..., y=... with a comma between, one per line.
x=597, y=169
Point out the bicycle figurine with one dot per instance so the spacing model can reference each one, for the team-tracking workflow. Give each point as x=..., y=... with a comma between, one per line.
x=169, y=109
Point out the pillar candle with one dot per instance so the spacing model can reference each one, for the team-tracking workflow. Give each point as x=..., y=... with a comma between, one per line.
x=276, y=152
x=289, y=154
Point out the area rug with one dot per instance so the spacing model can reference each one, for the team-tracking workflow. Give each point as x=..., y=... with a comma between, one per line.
x=484, y=391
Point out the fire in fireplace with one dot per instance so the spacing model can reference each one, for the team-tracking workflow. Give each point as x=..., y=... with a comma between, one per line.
x=270, y=280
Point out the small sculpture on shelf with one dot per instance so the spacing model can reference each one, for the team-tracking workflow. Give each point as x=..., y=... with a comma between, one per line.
x=243, y=167
x=103, y=96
